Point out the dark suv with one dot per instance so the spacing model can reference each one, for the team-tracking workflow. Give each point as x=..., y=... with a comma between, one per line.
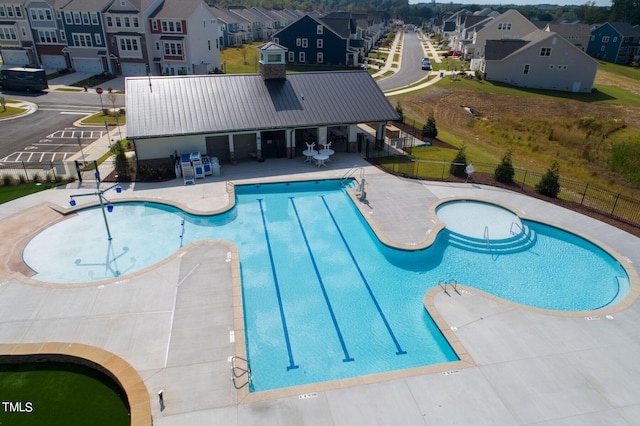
x=426, y=64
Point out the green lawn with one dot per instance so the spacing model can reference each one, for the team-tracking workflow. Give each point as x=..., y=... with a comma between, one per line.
x=55, y=393
x=12, y=192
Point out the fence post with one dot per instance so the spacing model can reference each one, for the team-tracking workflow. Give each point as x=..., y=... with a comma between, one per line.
x=78, y=172
x=584, y=194
x=615, y=204
x=24, y=168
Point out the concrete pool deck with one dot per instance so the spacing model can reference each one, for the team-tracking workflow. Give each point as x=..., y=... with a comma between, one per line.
x=173, y=323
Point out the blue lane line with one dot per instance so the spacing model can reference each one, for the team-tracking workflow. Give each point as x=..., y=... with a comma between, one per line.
x=292, y=364
x=364, y=280
x=347, y=358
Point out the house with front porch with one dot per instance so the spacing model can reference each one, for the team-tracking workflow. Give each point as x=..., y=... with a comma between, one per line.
x=247, y=117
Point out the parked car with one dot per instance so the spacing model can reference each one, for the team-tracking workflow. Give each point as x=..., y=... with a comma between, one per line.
x=426, y=64
x=454, y=53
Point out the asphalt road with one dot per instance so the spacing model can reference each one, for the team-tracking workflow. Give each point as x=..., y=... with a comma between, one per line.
x=49, y=134
x=411, y=64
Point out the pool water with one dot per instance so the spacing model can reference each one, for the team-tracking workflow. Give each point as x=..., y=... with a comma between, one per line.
x=323, y=298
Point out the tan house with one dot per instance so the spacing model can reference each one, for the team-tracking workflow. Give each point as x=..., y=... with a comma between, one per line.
x=508, y=26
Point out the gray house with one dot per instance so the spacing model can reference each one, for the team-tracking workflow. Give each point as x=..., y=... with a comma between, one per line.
x=243, y=117
x=539, y=60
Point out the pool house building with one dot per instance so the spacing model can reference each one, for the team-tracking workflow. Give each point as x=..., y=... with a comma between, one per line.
x=252, y=117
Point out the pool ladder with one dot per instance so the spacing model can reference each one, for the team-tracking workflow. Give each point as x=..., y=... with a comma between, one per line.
x=452, y=282
x=360, y=189
x=238, y=372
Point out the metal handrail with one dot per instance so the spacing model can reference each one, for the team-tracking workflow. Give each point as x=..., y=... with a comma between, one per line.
x=239, y=372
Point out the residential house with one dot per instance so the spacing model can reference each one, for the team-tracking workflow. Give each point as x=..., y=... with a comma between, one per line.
x=184, y=38
x=317, y=42
x=17, y=47
x=234, y=29
x=509, y=25
x=256, y=24
x=126, y=34
x=617, y=42
x=576, y=33
x=263, y=116
x=85, y=35
x=539, y=60
x=45, y=19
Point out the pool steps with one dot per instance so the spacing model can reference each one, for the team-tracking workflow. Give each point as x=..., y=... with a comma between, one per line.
x=517, y=243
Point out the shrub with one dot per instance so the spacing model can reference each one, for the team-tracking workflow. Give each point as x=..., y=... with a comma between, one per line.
x=7, y=180
x=22, y=178
x=430, y=130
x=400, y=112
x=121, y=163
x=504, y=171
x=459, y=163
x=549, y=184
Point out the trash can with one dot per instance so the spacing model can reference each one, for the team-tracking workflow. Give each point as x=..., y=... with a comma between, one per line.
x=441, y=74
x=215, y=169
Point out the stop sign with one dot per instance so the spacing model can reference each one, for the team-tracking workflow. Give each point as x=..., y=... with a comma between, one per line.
x=99, y=90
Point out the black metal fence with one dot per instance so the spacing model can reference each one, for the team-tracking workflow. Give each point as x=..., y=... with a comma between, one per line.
x=614, y=205
x=52, y=171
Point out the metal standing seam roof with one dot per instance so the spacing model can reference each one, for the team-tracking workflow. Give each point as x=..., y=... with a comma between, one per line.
x=208, y=104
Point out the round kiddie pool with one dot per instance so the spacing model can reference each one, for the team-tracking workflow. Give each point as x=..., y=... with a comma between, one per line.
x=479, y=220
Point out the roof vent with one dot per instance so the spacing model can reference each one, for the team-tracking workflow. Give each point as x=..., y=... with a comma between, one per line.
x=272, y=64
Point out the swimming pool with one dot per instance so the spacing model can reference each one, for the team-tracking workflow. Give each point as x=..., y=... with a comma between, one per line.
x=323, y=298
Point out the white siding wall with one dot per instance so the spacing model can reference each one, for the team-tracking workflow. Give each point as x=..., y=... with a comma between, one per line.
x=147, y=149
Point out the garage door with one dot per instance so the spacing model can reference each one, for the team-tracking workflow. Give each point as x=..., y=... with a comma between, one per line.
x=55, y=62
x=88, y=65
x=133, y=70
x=15, y=57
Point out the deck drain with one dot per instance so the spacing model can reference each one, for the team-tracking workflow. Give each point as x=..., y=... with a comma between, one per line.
x=450, y=372
x=308, y=395
x=591, y=318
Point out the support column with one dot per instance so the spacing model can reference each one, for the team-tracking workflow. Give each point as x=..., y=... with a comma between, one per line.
x=232, y=154
x=322, y=137
x=352, y=138
x=259, y=146
x=290, y=135
x=380, y=135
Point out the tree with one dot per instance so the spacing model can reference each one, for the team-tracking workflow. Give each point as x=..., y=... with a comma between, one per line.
x=459, y=163
x=430, y=130
x=626, y=11
x=399, y=111
x=505, y=171
x=121, y=162
x=549, y=185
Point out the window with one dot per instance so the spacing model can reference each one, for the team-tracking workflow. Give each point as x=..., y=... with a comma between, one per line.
x=545, y=51
x=23, y=30
x=302, y=58
x=298, y=42
x=504, y=26
x=94, y=18
x=276, y=40
x=292, y=56
x=157, y=45
x=47, y=15
x=305, y=43
x=10, y=11
x=82, y=40
x=18, y=11
x=76, y=18
x=320, y=57
x=171, y=26
x=85, y=18
x=118, y=22
x=172, y=49
x=136, y=22
x=525, y=71
x=63, y=36
x=615, y=39
x=47, y=37
x=7, y=33
x=34, y=15
x=109, y=21
x=68, y=18
x=605, y=39
x=2, y=12
x=319, y=29
x=320, y=43
x=154, y=25
x=274, y=57
x=98, y=39
x=129, y=47
x=127, y=22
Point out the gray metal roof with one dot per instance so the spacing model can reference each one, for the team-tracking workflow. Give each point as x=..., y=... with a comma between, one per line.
x=206, y=104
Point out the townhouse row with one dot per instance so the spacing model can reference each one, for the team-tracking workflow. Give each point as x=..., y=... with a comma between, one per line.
x=164, y=37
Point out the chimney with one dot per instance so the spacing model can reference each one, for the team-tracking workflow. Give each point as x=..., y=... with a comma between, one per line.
x=272, y=63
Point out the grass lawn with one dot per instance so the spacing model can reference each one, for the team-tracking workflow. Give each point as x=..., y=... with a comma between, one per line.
x=12, y=192
x=10, y=111
x=241, y=60
x=62, y=394
x=99, y=118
